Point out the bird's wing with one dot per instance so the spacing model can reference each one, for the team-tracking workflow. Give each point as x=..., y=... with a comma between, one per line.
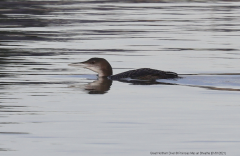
x=145, y=74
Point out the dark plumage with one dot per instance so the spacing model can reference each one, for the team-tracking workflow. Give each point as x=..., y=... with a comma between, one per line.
x=104, y=69
x=145, y=74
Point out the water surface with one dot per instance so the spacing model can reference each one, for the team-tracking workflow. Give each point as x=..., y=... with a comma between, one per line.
x=50, y=108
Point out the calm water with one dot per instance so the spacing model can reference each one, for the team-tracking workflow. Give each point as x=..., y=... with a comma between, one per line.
x=50, y=108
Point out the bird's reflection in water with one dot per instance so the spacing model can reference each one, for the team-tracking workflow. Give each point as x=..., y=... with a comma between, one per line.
x=103, y=85
x=100, y=86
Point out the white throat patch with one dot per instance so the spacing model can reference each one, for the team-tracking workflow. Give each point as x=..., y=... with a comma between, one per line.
x=95, y=69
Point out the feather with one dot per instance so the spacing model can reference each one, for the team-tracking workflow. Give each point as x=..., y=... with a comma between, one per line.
x=145, y=74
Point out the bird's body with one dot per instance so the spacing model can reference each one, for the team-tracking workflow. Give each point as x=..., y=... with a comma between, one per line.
x=144, y=74
x=104, y=69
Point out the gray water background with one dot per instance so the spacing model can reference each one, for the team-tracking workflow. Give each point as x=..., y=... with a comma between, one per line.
x=47, y=110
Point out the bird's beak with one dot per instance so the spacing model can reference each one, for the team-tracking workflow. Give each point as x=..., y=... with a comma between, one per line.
x=78, y=64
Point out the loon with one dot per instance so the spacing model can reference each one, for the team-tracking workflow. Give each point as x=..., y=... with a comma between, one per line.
x=104, y=69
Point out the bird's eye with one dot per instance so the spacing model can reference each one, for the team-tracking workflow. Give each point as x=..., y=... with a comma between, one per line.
x=92, y=62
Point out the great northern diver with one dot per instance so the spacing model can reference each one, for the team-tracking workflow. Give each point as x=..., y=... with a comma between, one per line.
x=104, y=69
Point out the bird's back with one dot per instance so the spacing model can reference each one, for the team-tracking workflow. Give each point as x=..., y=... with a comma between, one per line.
x=145, y=74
